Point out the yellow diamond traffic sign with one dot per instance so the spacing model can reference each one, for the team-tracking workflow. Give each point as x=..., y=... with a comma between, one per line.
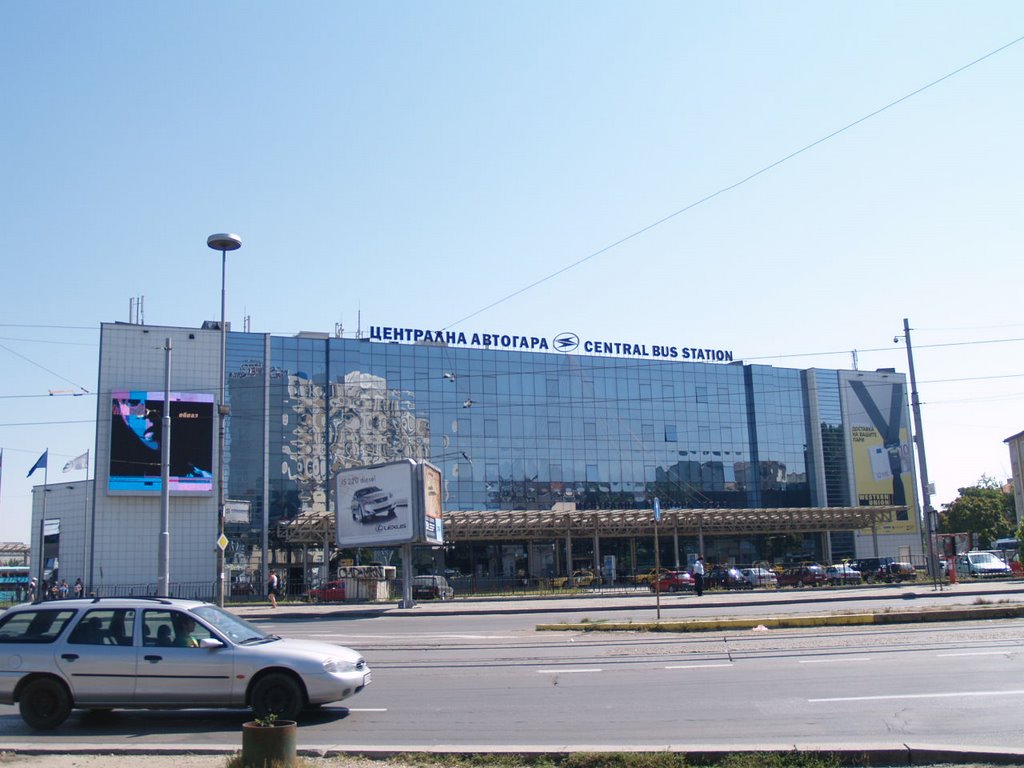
x=222, y=541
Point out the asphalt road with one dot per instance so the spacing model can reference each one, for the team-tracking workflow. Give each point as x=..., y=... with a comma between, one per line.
x=477, y=676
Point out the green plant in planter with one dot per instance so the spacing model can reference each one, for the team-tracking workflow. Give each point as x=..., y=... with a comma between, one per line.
x=269, y=741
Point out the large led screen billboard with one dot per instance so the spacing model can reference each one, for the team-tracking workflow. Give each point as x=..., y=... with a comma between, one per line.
x=136, y=439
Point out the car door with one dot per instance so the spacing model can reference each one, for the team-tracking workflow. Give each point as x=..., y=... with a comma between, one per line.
x=98, y=659
x=173, y=670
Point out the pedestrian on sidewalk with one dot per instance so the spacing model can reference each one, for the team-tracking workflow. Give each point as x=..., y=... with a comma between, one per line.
x=272, y=583
x=698, y=576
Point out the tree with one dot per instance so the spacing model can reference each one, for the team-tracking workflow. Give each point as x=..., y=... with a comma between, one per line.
x=983, y=510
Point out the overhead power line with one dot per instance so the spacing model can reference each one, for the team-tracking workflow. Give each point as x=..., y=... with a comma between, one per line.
x=739, y=183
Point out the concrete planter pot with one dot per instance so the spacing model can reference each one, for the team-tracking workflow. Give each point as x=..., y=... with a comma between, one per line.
x=269, y=745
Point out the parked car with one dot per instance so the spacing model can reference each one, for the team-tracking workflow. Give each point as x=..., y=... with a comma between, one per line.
x=812, y=575
x=648, y=576
x=371, y=502
x=981, y=565
x=580, y=578
x=431, y=588
x=760, y=577
x=726, y=578
x=143, y=653
x=673, y=581
x=328, y=592
x=897, y=572
x=843, y=574
x=873, y=568
x=242, y=588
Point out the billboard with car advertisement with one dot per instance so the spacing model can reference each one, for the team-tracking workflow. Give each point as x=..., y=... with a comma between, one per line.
x=877, y=423
x=388, y=504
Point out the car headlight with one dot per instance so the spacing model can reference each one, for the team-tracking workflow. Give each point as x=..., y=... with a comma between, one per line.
x=334, y=666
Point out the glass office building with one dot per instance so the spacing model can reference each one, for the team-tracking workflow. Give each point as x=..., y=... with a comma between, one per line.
x=527, y=430
x=513, y=424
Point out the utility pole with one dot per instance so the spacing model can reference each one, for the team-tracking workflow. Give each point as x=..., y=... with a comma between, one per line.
x=926, y=496
x=163, y=586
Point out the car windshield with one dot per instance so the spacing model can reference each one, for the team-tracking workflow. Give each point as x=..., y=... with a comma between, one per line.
x=984, y=558
x=237, y=630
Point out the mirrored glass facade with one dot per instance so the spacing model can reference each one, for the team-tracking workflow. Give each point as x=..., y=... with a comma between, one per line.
x=525, y=430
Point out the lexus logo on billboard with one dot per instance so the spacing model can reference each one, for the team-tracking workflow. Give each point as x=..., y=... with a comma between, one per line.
x=566, y=342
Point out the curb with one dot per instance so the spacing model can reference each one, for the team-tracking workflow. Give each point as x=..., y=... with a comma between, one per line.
x=869, y=755
x=795, y=622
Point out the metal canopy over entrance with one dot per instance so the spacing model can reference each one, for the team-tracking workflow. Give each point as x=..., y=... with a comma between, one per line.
x=544, y=525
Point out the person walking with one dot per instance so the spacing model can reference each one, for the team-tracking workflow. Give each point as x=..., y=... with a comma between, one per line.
x=272, y=583
x=698, y=576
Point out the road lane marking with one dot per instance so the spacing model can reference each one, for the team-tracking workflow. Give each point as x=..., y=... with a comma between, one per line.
x=975, y=653
x=698, y=666
x=367, y=709
x=566, y=671
x=921, y=696
x=833, y=661
x=411, y=637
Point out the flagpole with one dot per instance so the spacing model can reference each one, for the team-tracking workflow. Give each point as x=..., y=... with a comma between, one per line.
x=92, y=534
x=42, y=521
x=85, y=521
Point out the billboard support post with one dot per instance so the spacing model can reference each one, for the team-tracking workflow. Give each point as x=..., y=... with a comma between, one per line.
x=406, y=577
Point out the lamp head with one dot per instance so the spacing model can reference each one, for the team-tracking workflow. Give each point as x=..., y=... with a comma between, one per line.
x=224, y=242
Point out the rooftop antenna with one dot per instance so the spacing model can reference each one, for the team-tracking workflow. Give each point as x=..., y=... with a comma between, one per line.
x=339, y=329
x=135, y=315
x=854, y=353
x=247, y=323
x=359, y=323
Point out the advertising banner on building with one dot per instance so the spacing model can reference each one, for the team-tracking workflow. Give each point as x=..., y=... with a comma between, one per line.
x=136, y=441
x=876, y=418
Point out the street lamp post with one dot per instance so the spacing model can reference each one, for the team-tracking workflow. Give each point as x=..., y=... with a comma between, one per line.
x=222, y=242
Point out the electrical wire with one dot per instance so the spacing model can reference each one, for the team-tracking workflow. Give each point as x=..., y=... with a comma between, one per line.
x=736, y=184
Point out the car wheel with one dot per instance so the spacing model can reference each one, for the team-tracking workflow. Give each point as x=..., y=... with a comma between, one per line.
x=277, y=694
x=45, y=704
x=799, y=582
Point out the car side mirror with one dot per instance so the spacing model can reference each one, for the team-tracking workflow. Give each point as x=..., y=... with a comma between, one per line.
x=210, y=642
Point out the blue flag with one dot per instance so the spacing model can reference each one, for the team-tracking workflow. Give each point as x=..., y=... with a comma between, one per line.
x=40, y=463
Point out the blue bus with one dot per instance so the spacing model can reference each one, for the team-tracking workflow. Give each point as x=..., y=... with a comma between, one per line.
x=13, y=583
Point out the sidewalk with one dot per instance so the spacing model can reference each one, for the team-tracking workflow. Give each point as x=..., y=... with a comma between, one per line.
x=713, y=605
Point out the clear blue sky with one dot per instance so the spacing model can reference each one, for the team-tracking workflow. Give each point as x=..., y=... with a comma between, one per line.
x=418, y=161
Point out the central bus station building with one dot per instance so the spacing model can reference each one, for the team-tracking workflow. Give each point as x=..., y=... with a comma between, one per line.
x=552, y=452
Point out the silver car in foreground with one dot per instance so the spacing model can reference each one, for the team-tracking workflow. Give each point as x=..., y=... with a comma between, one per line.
x=161, y=653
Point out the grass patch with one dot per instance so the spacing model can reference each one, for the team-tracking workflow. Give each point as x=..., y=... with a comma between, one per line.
x=615, y=760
